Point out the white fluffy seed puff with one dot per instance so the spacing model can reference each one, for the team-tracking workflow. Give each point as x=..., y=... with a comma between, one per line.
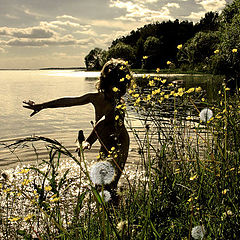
x=102, y=173
x=206, y=114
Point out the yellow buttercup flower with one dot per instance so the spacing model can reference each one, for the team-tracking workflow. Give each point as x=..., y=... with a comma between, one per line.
x=55, y=199
x=234, y=50
x=145, y=57
x=169, y=62
x=179, y=46
x=122, y=79
x=48, y=188
x=14, y=219
x=190, y=90
x=158, y=70
x=128, y=77
x=193, y=177
x=24, y=171
x=163, y=81
x=151, y=83
x=25, y=182
x=198, y=89
x=216, y=51
x=28, y=217
x=115, y=89
x=117, y=117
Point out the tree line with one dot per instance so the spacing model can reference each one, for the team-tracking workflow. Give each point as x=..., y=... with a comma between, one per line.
x=210, y=45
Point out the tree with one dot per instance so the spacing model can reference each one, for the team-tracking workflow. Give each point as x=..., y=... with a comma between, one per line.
x=95, y=59
x=227, y=60
x=123, y=51
x=152, y=49
x=210, y=22
x=197, y=51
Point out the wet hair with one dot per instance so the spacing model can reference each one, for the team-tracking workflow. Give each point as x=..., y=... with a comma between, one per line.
x=115, y=74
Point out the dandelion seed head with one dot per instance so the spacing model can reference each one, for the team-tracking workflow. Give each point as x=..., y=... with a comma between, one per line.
x=102, y=173
x=105, y=195
x=198, y=232
x=121, y=225
x=206, y=114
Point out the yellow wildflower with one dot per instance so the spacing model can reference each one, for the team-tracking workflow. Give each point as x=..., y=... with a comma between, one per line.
x=128, y=77
x=55, y=199
x=203, y=99
x=115, y=89
x=122, y=79
x=151, y=83
x=145, y=57
x=135, y=95
x=198, y=89
x=169, y=62
x=190, y=90
x=28, y=217
x=126, y=62
x=163, y=81
x=48, y=188
x=122, y=68
x=134, y=85
x=179, y=46
x=137, y=101
x=166, y=96
x=24, y=171
x=234, y=50
x=193, y=177
x=14, y=219
x=148, y=97
x=216, y=51
x=7, y=190
x=158, y=70
x=227, y=89
x=130, y=91
x=117, y=117
x=225, y=191
x=25, y=182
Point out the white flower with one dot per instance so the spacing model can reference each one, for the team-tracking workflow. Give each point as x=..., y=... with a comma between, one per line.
x=105, y=195
x=206, y=114
x=102, y=173
x=198, y=232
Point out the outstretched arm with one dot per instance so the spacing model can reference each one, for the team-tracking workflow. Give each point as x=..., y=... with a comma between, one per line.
x=61, y=102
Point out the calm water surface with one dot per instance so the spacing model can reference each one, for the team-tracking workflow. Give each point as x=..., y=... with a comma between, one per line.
x=40, y=86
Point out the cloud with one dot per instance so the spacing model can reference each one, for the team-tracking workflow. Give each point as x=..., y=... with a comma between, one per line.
x=67, y=17
x=207, y=6
x=173, y=5
x=139, y=11
x=34, y=32
x=2, y=50
x=66, y=40
x=195, y=16
x=212, y=5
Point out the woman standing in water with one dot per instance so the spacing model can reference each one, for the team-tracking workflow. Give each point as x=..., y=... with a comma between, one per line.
x=109, y=106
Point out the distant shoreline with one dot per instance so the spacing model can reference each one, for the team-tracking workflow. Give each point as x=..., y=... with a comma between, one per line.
x=47, y=68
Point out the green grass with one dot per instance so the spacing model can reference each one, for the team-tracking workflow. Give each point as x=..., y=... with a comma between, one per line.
x=188, y=176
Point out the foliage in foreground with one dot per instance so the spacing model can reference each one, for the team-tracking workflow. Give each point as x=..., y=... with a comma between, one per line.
x=185, y=185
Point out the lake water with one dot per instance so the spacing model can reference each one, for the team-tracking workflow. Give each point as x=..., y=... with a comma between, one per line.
x=40, y=86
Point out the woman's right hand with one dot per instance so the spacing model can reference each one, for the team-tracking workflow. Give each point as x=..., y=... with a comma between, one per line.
x=31, y=105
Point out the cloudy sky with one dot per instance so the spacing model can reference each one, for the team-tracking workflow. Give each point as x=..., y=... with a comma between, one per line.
x=60, y=33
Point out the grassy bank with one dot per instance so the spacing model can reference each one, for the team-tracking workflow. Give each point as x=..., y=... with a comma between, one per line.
x=186, y=187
